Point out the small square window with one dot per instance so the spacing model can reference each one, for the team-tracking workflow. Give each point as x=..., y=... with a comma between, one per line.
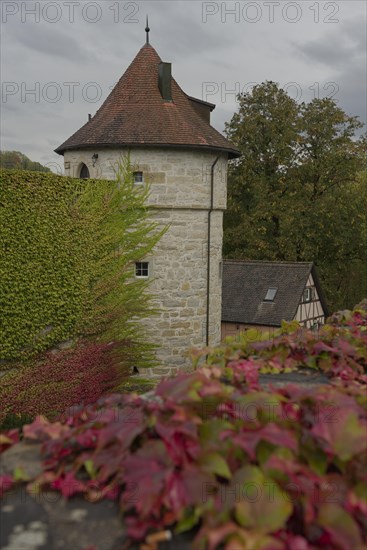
x=138, y=177
x=142, y=269
x=270, y=295
x=307, y=295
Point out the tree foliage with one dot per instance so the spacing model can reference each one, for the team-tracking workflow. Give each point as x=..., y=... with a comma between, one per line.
x=19, y=161
x=298, y=192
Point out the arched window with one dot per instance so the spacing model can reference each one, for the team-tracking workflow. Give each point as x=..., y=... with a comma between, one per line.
x=84, y=172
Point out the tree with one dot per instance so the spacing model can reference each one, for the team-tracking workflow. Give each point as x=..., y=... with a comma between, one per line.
x=18, y=161
x=120, y=234
x=296, y=192
x=265, y=131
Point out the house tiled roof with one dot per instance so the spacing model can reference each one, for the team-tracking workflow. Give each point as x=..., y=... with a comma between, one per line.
x=245, y=284
x=134, y=114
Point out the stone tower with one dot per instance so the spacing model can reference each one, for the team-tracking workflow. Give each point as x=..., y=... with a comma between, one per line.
x=170, y=140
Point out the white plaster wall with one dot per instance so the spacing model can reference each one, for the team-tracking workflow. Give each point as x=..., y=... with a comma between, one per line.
x=310, y=312
x=180, y=197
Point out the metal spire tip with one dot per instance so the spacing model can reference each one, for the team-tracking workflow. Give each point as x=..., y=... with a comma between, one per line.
x=147, y=30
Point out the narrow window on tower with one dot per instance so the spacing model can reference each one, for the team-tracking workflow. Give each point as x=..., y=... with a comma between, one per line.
x=142, y=270
x=138, y=177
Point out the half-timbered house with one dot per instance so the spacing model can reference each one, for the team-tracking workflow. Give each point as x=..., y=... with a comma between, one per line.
x=263, y=294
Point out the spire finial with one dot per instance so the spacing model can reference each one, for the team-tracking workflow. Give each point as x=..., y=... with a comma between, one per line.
x=147, y=29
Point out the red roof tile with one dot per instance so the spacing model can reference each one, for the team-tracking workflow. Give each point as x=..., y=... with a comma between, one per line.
x=135, y=114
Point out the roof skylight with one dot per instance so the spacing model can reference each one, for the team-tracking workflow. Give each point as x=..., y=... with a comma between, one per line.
x=270, y=295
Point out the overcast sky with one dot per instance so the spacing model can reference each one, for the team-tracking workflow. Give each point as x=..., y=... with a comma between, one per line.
x=60, y=58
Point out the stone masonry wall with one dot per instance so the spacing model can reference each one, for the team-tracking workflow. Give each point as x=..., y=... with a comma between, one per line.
x=180, y=197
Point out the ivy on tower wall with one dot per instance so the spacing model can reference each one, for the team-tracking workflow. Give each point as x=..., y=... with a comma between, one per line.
x=68, y=251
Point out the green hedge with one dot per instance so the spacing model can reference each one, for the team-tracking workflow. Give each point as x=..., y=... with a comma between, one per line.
x=42, y=266
x=68, y=246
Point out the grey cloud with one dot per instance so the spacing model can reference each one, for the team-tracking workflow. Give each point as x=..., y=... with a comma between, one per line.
x=352, y=92
x=221, y=116
x=227, y=53
x=50, y=41
x=327, y=53
x=344, y=52
x=178, y=28
x=355, y=29
x=337, y=47
x=12, y=107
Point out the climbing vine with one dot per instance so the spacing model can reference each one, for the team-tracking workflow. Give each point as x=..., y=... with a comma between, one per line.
x=69, y=247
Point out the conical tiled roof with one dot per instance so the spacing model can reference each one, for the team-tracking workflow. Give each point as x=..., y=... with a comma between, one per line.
x=134, y=114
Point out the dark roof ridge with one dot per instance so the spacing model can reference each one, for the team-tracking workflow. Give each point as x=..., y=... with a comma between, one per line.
x=201, y=101
x=268, y=262
x=150, y=145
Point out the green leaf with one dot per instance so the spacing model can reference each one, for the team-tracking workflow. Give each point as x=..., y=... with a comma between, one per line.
x=214, y=463
x=189, y=520
x=316, y=459
x=263, y=506
x=346, y=434
x=20, y=475
x=89, y=466
x=211, y=430
x=340, y=525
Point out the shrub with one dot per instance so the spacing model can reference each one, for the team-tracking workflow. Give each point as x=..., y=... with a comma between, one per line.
x=57, y=382
x=212, y=451
x=42, y=264
x=339, y=349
